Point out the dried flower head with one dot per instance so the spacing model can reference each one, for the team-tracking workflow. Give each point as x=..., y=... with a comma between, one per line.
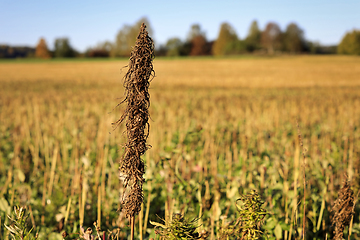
x=136, y=83
x=343, y=210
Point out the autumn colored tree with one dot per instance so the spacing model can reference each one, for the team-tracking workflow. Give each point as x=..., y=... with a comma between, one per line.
x=271, y=37
x=42, y=50
x=227, y=37
x=97, y=53
x=198, y=41
x=294, y=39
x=253, y=38
x=199, y=46
x=350, y=44
x=126, y=37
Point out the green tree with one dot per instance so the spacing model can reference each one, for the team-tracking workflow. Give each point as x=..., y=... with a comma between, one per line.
x=294, y=39
x=254, y=36
x=350, y=44
x=237, y=47
x=271, y=38
x=126, y=38
x=226, y=39
x=101, y=49
x=173, y=47
x=195, y=30
x=106, y=46
x=63, y=48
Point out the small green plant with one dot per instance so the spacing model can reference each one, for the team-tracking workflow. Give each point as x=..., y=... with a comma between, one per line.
x=251, y=215
x=229, y=230
x=177, y=228
x=18, y=226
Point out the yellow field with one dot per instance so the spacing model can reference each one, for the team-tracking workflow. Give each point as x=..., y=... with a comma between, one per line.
x=219, y=128
x=291, y=71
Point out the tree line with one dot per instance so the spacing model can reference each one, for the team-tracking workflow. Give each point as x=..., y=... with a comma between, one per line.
x=270, y=40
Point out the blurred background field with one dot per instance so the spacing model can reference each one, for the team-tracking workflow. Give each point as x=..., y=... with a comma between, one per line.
x=220, y=127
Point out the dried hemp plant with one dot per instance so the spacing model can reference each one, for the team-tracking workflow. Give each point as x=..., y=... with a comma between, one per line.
x=137, y=99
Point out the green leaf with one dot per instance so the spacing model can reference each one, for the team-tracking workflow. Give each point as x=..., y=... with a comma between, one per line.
x=21, y=175
x=11, y=229
x=270, y=224
x=291, y=194
x=285, y=226
x=231, y=192
x=278, y=232
x=278, y=186
x=158, y=224
x=55, y=236
x=4, y=206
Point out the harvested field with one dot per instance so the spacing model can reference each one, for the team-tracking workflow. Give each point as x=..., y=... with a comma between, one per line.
x=219, y=128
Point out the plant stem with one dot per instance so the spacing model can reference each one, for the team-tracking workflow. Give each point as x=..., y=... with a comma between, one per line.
x=132, y=224
x=304, y=178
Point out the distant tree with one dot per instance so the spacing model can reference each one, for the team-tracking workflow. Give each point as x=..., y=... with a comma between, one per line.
x=313, y=47
x=102, y=49
x=195, y=30
x=160, y=50
x=237, y=47
x=185, y=49
x=16, y=52
x=271, y=38
x=95, y=53
x=106, y=46
x=126, y=38
x=173, y=47
x=317, y=48
x=199, y=46
x=330, y=49
x=42, y=50
x=63, y=48
x=227, y=37
x=350, y=44
x=294, y=39
x=122, y=46
x=253, y=38
x=197, y=39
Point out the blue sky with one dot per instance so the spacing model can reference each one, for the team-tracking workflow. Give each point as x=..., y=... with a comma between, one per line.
x=85, y=23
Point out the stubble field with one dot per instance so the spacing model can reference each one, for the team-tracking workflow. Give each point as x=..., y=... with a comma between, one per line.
x=219, y=128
